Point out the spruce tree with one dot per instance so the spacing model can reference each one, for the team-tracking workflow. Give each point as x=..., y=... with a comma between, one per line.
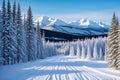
x=43, y=38
x=101, y=54
x=11, y=35
x=78, y=50
x=0, y=37
x=88, y=51
x=30, y=36
x=40, y=49
x=72, y=52
x=8, y=35
x=14, y=13
x=112, y=45
x=95, y=52
x=78, y=46
x=21, y=49
x=0, y=21
x=118, y=55
x=83, y=51
x=4, y=39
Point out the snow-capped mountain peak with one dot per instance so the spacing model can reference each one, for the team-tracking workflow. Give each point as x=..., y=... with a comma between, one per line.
x=44, y=20
x=83, y=22
x=57, y=22
x=47, y=21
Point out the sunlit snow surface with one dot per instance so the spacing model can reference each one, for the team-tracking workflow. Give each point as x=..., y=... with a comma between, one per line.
x=59, y=68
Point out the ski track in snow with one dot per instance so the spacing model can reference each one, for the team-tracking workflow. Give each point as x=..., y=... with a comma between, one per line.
x=58, y=68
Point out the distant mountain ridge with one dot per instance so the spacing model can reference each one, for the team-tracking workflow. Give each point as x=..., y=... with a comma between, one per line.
x=79, y=27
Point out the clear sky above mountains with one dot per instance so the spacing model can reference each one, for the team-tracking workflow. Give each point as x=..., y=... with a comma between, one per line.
x=69, y=10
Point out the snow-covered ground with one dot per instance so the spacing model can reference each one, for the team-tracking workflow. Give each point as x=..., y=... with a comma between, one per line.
x=59, y=68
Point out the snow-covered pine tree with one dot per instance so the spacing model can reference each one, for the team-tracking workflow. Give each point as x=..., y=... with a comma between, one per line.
x=11, y=34
x=98, y=42
x=78, y=50
x=40, y=49
x=8, y=36
x=95, y=52
x=83, y=51
x=118, y=55
x=21, y=48
x=72, y=53
x=112, y=45
x=14, y=13
x=0, y=29
x=42, y=44
x=38, y=40
x=85, y=46
x=101, y=57
x=30, y=36
x=88, y=51
x=1, y=58
x=103, y=47
x=105, y=54
x=43, y=38
x=4, y=39
x=78, y=46
x=92, y=46
x=25, y=35
x=68, y=48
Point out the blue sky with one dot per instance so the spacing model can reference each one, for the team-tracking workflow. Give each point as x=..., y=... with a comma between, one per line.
x=70, y=10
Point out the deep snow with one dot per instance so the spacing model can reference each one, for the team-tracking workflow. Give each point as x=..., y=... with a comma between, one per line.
x=59, y=68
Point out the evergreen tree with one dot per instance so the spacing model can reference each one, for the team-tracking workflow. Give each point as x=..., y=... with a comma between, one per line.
x=83, y=52
x=0, y=37
x=30, y=36
x=4, y=39
x=0, y=20
x=78, y=50
x=118, y=55
x=25, y=34
x=101, y=54
x=89, y=51
x=38, y=40
x=40, y=49
x=8, y=36
x=112, y=45
x=11, y=34
x=43, y=38
x=95, y=52
x=72, y=52
x=21, y=49
x=14, y=13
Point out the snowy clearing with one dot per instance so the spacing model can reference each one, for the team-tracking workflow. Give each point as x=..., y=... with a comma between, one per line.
x=59, y=68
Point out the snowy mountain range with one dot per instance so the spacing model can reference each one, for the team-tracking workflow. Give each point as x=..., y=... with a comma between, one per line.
x=79, y=27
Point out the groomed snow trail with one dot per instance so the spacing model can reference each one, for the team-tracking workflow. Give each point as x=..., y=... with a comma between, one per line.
x=59, y=68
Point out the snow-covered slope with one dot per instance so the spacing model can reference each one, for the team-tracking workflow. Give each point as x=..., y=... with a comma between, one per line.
x=82, y=26
x=59, y=68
